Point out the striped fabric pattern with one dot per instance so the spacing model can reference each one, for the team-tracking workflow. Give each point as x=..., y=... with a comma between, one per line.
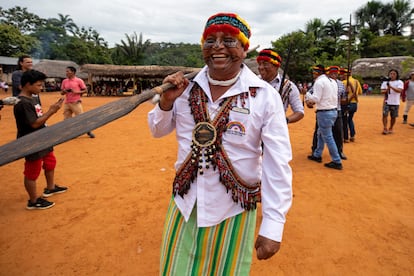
x=224, y=249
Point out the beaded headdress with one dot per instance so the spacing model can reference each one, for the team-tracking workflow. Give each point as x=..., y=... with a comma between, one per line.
x=320, y=69
x=344, y=71
x=332, y=69
x=270, y=56
x=228, y=23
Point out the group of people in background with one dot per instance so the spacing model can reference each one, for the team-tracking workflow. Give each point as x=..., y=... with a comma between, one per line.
x=335, y=94
x=336, y=103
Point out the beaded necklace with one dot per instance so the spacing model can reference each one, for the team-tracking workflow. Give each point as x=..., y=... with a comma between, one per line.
x=207, y=148
x=223, y=83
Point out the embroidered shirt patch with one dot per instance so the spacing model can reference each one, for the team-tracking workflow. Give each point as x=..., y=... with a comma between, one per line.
x=236, y=128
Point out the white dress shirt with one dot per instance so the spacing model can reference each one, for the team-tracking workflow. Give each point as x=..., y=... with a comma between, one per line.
x=261, y=119
x=325, y=93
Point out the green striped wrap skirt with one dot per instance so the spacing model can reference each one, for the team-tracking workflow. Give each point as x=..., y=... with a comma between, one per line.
x=223, y=249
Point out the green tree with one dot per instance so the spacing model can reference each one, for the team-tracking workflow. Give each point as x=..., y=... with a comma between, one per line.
x=302, y=55
x=332, y=42
x=370, y=17
x=389, y=45
x=65, y=22
x=20, y=18
x=388, y=18
x=335, y=29
x=365, y=40
x=50, y=35
x=181, y=54
x=13, y=43
x=316, y=28
x=399, y=15
x=132, y=51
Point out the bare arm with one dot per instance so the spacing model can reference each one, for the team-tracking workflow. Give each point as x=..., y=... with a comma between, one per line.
x=294, y=117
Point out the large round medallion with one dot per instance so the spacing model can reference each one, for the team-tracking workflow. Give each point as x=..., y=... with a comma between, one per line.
x=204, y=134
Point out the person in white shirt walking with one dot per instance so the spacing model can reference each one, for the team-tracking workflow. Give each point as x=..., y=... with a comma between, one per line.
x=391, y=89
x=221, y=119
x=325, y=97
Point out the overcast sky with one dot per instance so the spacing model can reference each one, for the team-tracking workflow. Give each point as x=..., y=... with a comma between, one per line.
x=183, y=20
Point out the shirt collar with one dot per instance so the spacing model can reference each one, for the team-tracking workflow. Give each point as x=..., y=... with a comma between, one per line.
x=246, y=80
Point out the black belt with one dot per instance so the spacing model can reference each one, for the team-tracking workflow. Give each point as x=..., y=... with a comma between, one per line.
x=324, y=110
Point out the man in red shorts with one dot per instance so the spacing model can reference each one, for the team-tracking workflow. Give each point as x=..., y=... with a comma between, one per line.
x=29, y=118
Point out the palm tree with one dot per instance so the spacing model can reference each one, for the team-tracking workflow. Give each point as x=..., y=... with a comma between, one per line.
x=97, y=39
x=335, y=29
x=399, y=15
x=370, y=16
x=67, y=23
x=315, y=27
x=132, y=51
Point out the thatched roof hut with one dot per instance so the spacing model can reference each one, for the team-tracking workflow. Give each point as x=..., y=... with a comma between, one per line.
x=375, y=68
x=125, y=72
x=252, y=64
x=137, y=77
x=57, y=68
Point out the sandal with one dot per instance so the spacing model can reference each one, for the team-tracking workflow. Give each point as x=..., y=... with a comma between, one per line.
x=385, y=131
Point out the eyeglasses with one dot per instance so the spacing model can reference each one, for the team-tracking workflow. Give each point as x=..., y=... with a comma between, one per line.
x=265, y=64
x=227, y=42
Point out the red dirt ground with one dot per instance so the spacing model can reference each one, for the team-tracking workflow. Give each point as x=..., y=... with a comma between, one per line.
x=359, y=221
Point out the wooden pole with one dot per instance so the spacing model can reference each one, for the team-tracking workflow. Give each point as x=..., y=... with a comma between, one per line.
x=73, y=127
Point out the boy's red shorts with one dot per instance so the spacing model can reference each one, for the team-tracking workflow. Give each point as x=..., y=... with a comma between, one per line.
x=32, y=168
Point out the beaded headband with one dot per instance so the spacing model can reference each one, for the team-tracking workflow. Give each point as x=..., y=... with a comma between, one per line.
x=318, y=69
x=270, y=56
x=332, y=69
x=343, y=71
x=228, y=23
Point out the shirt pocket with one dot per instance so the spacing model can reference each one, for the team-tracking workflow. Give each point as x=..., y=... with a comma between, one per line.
x=237, y=128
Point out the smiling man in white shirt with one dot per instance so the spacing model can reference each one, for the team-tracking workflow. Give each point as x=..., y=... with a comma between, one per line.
x=221, y=119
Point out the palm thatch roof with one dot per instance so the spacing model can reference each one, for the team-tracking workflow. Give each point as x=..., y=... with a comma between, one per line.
x=57, y=68
x=124, y=71
x=252, y=64
x=374, y=68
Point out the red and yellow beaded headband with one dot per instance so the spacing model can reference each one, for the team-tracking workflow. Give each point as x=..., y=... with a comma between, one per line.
x=270, y=56
x=332, y=69
x=318, y=69
x=228, y=23
x=344, y=71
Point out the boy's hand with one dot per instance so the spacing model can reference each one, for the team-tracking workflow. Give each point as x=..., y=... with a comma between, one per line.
x=56, y=106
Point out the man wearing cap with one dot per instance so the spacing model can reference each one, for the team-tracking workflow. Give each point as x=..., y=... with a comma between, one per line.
x=337, y=130
x=269, y=63
x=353, y=88
x=325, y=97
x=408, y=96
x=221, y=120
